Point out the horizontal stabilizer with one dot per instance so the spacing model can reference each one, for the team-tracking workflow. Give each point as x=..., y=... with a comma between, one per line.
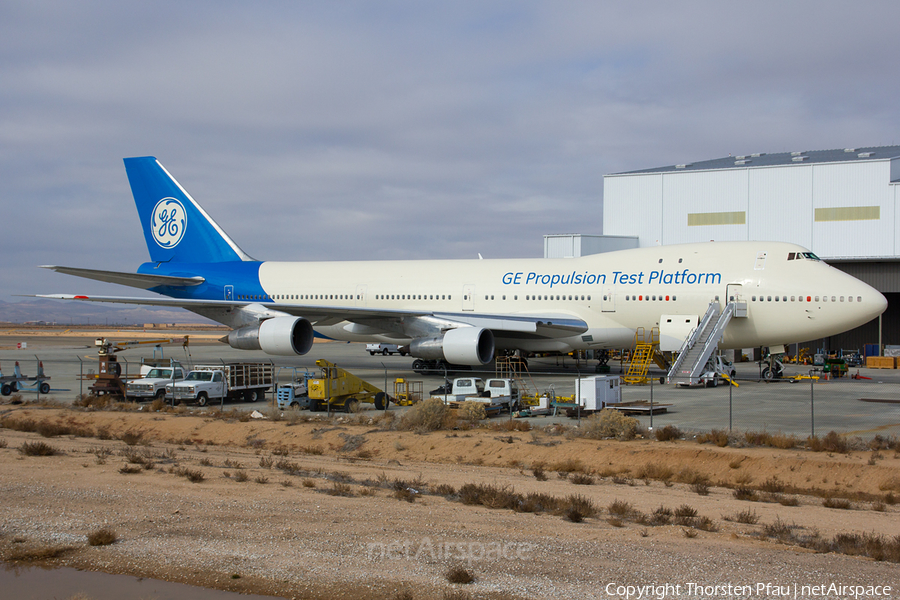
x=138, y=280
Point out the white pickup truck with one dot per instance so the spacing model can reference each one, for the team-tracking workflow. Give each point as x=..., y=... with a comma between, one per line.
x=385, y=349
x=248, y=381
x=153, y=384
x=501, y=393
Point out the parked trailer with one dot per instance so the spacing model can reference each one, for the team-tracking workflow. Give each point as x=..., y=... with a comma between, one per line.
x=246, y=381
x=10, y=384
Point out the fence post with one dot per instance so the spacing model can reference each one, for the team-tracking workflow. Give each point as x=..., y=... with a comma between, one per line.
x=729, y=405
x=812, y=410
x=80, y=376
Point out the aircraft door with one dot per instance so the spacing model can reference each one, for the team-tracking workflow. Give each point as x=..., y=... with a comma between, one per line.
x=608, y=299
x=468, y=302
x=361, y=295
x=733, y=292
x=229, y=292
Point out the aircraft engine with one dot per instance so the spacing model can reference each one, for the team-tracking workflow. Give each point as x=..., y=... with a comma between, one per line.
x=281, y=336
x=461, y=346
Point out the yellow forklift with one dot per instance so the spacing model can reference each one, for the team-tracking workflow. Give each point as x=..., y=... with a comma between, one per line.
x=340, y=389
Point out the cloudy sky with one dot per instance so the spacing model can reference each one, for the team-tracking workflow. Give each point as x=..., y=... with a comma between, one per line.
x=403, y=129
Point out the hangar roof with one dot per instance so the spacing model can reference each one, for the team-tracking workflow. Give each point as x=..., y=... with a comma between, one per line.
x=762, y=159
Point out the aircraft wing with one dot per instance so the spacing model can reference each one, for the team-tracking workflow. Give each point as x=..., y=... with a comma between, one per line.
x=138, y=280
x=545, y=325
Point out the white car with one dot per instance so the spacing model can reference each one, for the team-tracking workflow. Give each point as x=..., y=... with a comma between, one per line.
x=385, y=349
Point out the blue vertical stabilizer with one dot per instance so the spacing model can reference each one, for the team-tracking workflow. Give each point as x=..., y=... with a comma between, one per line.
x=176, y=228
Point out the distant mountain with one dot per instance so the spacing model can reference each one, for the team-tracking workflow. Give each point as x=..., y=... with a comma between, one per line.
x=82, y=313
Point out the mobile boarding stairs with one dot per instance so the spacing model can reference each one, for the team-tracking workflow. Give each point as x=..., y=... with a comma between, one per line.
x=703, y=341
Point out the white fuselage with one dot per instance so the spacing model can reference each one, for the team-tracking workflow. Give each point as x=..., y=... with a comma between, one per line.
x=615, y=294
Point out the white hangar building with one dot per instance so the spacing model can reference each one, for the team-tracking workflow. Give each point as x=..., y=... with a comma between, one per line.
x=843, y=205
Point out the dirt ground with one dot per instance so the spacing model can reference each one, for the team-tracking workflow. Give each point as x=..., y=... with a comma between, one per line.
x=309, y=508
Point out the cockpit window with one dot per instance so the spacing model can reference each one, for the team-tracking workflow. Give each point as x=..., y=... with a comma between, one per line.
x=802, y=255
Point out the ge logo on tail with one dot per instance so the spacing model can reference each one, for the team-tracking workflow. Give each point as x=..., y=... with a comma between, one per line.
x=168, y=222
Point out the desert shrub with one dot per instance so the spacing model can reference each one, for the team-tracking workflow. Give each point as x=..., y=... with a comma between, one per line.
x=584, y=505
x=569, y=465
x=719, y=437
x=538, y=472
x=840, y=503
x=102, y=537
x=582, y=479
x=91, y=401
x=879, y=442
x=127, y=469
x=609, y=423
x=691, y=477
x=459, y=574
x=3, y=443
x=192, y=475
x=746, y=516
x=743, y=493
x=132, y=438
x=29, y=553
x=668, y=433
x=620, y=508
x=832, y=442
x=661, y=516
x=444, y=489
x=773, y=485
x=654, y=471
x=701, y=488
x=340, y=489
x=26, y=424
x=574, y=515
x=429, y=415
x=48, y=429
x=309, y=483
x=38, y=449
x=471, y=412
x=684, y=514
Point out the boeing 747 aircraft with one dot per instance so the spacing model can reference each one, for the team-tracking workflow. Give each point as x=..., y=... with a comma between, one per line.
x=463, y=311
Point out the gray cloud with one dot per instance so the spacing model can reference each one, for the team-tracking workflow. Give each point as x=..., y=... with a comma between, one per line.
x=402, y=129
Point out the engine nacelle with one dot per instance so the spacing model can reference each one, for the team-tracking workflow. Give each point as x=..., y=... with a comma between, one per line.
x=461, y=346
x=281, y=336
